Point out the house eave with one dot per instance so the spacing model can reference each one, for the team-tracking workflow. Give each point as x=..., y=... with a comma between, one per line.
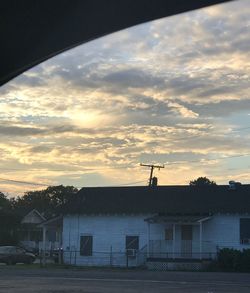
x=177, y=219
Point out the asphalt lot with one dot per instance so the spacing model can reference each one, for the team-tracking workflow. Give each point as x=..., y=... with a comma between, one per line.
x=22, y=279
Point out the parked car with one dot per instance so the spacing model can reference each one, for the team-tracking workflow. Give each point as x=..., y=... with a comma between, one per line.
x=14, y=254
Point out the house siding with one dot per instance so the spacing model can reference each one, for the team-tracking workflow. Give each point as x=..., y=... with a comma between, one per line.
x=109, y=234
x=109, y=237
x=224, y=231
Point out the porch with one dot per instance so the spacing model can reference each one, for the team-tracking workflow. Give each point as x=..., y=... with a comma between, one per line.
x=183, y=249
x=38, y=245
x=52, y=226
x=179, y=237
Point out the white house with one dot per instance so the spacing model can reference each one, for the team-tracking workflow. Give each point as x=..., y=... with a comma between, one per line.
x=31, y=232
x=163, y=226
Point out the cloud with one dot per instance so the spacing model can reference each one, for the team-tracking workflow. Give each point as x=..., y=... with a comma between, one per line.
x=40, y=149
x=20, y=131
x=166, y=91
x=222, y=108
x=133, y=78
x=8, y=129
x=185, y=112
x=31, y=80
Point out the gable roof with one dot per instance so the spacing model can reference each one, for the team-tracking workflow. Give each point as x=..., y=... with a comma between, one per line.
x=52, y=222
x=161, y=199
x=33, y=217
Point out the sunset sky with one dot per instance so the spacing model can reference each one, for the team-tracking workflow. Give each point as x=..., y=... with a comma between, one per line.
x=175, y=91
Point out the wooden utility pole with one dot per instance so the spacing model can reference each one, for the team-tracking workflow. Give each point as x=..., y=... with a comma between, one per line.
x=151, y=171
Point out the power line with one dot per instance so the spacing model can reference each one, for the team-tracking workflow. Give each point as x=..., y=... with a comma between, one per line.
x=206, y=134
x=123, y=184
x=200, y=161
x=126, y=167
x=240, y=129
x=23, y=182
x=131, y=183
x=45, y=185
x=116, y=167
x=65, y=170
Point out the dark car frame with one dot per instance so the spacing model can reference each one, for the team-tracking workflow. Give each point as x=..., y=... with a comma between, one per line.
x=14, y=254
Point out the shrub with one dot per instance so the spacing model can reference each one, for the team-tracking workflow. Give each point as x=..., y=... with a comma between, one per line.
x=245, y=260
x=229, y=259
x=233, y=260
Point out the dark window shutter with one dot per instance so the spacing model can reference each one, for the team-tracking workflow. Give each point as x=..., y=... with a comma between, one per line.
x=86, y=245
x=245, y=230
x=132, y=242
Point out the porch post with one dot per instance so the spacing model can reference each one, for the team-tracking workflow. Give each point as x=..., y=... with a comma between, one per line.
x=60, y=245
x=173, y=241
x=44, y=245
x=200, y=240
x=148, y=252
x=29, y=236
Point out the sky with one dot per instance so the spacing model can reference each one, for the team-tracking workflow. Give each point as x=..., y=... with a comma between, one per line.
x=174, y=91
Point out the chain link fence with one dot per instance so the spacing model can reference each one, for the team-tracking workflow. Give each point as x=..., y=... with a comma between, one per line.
x=97, y=258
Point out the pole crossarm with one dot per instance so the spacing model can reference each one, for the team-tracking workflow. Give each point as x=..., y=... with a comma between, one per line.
x=152, y=167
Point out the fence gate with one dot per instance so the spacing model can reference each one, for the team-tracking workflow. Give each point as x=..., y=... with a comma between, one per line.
x=186, y=241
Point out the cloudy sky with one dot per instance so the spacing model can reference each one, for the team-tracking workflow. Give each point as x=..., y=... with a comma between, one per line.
x=174, y=91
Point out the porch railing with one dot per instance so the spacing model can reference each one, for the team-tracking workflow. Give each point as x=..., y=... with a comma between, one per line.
x=181, y=249
x=38, y=245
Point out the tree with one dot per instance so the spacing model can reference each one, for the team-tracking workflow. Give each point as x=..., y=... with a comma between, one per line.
x=4, y=202
x=202, y=181
x=47, y=201
x=9, y=222
x=60, y=194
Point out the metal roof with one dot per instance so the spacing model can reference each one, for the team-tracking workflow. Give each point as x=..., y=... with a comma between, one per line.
x=162, y=199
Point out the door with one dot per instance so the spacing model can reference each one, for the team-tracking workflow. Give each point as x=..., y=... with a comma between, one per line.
x=186, y=241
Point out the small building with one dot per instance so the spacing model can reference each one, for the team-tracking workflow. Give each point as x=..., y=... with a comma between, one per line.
x=52, y=234
x=31, y=232
x=165, y=227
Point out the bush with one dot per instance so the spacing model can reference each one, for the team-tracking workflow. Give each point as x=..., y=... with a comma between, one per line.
x=228, y=259
x=233, y=260
x=245, y=261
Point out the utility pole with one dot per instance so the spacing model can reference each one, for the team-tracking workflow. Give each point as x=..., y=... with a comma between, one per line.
x=151, y=171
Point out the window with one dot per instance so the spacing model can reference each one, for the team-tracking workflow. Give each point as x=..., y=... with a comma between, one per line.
x=132, y=242
x=168, y=234
x=245, y=231
x=86, y=245
x=19, y=250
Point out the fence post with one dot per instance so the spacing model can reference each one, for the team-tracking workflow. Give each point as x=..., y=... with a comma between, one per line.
x=148, y=248
x=201, y=240
x=44, y=246
x=173, y=241
x=60, y=256
x=111, y=256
